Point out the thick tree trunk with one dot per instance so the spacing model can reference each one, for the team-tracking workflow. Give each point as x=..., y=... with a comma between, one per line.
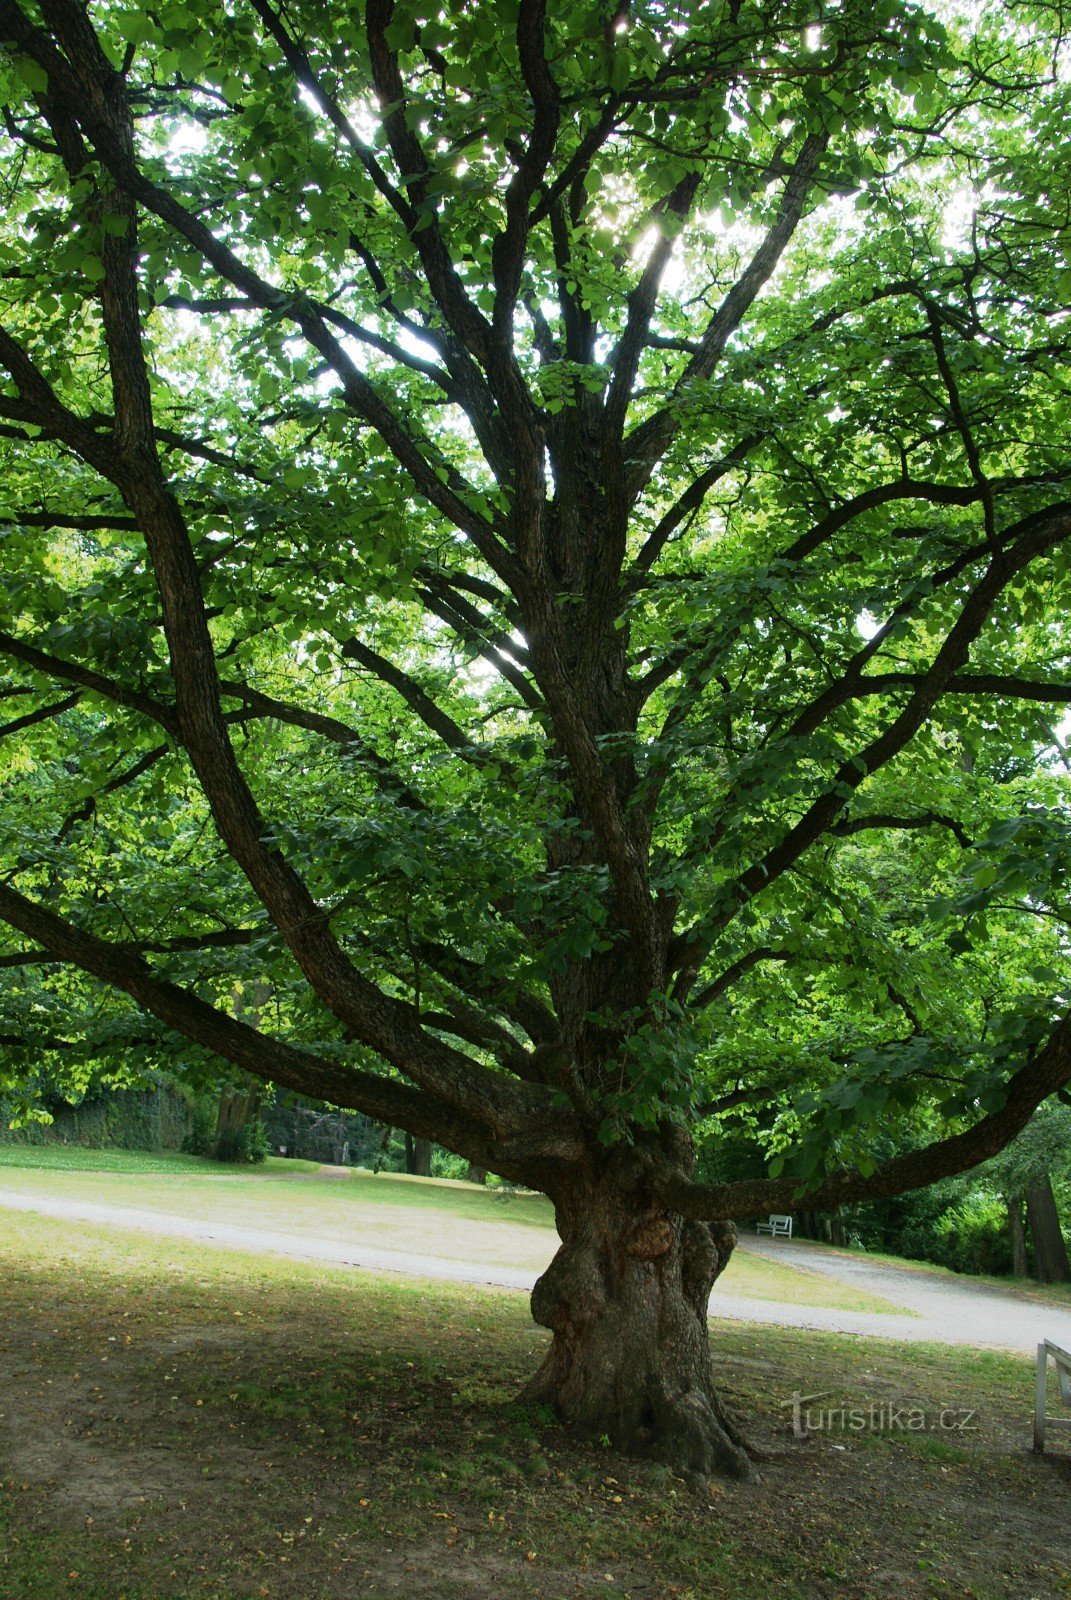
x=236, y=1108
x=476, y=1174
x=1050, y=1252
x=626, y=1299
x=417, y=1156
x=1014, y=1204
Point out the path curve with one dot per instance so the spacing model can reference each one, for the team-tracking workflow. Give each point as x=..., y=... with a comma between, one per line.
x=937, y=1308
x=945, y=1309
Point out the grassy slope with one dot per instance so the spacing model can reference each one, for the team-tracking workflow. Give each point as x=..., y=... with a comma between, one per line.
x=455, y=1221
x=185, y=1422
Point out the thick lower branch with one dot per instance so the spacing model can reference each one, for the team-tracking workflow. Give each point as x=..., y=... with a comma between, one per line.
x=550, y=1136
x=1044, y=1075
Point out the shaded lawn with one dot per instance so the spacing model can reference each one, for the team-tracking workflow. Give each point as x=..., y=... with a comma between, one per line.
x=176, y=1420
x=428, y=1217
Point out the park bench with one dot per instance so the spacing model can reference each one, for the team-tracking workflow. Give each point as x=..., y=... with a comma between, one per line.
x=1062, y=1361
x=776, y=1227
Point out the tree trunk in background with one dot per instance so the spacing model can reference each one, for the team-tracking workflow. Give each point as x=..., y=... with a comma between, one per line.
x=476, y=1174
x=626, y=1299
x=823, y=1226
x=1050, y=1252
x=1018, y=1234
x=417, y=1156
x=342, y=1144
x=236, y=1108
x=238, y=1105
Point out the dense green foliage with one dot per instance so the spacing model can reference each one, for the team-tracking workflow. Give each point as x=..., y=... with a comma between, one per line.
x=829, y=591
x=128, y=1119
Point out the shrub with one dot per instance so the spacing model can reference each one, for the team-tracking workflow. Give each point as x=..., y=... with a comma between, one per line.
x=973, y=1236
x=444, y=1164
x=202, y=1129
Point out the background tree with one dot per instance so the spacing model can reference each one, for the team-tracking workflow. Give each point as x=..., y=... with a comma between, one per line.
x=1024, y=1174
x=504, y=507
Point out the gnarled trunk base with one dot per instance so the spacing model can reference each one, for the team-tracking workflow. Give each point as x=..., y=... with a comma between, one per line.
x=626, y=1299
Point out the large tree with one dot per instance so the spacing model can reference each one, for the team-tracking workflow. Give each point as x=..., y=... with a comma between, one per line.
x=537, y=535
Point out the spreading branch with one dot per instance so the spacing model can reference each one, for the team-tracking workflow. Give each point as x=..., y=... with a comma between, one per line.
x=1043, y=1075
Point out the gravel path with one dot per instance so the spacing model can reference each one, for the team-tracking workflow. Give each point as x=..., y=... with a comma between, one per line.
x=263, y=1241
x=947, y=1309
x=943, y=1309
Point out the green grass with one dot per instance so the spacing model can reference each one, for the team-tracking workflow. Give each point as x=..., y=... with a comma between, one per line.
x=755, y=1277
x=416, y=1217
x=749, y=1277
x=176, y=1421
x=161, y=1163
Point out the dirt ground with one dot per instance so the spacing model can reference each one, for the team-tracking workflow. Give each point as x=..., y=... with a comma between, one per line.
x=167, y=1433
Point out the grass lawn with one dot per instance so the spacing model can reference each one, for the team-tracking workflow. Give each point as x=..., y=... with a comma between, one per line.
x=181, y=1421
x=423, y=1217
x=164, y=1163
x=755, y=1277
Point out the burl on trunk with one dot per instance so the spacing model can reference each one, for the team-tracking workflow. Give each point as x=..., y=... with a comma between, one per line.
x=626, y=1300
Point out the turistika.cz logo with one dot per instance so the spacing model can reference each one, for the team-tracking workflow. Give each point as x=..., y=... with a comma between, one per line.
x=879, y=1416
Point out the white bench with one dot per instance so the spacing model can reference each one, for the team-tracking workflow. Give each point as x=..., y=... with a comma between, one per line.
x=776, y=1227
x=1062, y=1361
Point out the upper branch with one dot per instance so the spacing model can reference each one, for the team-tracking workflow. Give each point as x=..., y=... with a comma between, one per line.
x=647, y=443
x=53, y=666
x=386, y=1024
x=87, y=91
x=960, y=418
x=508, y=252
x=691, y=501
x=221, y=938
x=495, y=646
x=388, y=778
x=416, y=697
x=467, y=386
x=1001, y=685
x=886, y=820
x=466, y=321
x=641, y=306
x=43, y=407
x=42, y=714
x=1028, y=540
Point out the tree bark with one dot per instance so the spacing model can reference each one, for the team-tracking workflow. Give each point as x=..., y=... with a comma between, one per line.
x=626, y=1300
x=417, y=1156
x=1050, y=1251
x=1014, y=1204
x=476, y=1174
x=237, y=1106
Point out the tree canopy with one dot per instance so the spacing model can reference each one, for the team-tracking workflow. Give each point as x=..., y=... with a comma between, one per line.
x=541, y=533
